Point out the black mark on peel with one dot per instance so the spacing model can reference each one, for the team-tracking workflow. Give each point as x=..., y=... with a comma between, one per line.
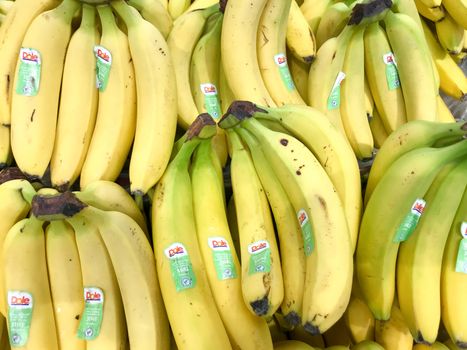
x=32, y=115
x=7, y=84
x=284, y=142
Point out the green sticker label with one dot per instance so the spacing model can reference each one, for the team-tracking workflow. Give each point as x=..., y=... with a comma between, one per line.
x=392, y=76
x=20, y=305
x=410, y=221
x=180, y=266
x=29, y=72
x=281, y=62
x=334, y=99
x=91, y=320
x=103, y=64
x=461, y=262
x=260, y=257
x=211, y=101
x=307, y=232
x=222, y=257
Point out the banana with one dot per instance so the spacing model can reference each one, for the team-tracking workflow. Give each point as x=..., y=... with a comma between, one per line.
x=78, y=104
x=226, y=96
x=109, y=196
x=5, y=147
x=328, y=280
x=383, y=79
x=431, y=3
x=434, y=14
x=66, y=283
x=384, y=220
x=444, y=113
x=292, y=344
x=188, y=300
x=300, y=37
x=332, y=151
x=326, y=75
x=452, y=79
x=410, y=136
x=31, y=323
x=11, y=35
x=393, y=334
x=176, y=8
x=154, y=12
x=420, y=257
x=334, y=19
x=416, y=74
x=434, y=346
x=359, y=320
x=133, y=263
x=98, y=277
x=14, y=206
x=271, y=51
x=367, y=345
x=201, y=4
x=239, y=51
x=313, y=11
x=181, y=42
x=377, y=129
x=450, y=34
x=452, y=282
x=34, y=103
x=116, y=115
x=458, y=10
x=299, y=71
x=156, y=94
x=288, y=231
x=262, y=281
x=245, y=330
x=352, y=109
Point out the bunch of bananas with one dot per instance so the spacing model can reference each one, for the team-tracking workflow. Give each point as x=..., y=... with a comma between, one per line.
x=77, y=101
x=78, y=270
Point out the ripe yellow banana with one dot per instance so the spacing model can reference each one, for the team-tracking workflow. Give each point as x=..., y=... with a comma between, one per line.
x=435, y=346
x=245, y=330
x=393, y=334
x=201, y=4
x=334, y=19
x=453, y=305
x=176, y=8
x=444, y=113
x=239, y=51
x=226, y=96
x=154, y=12
x=299, y=71
x=434, y=14
x=78, y=103
x=300, y=37
x=384, y=224
x=116, y=115
x=359, y=320
x=156, y=94
x=288, y=231
x=34, y=103
x=458, y=10
x=31, y=323
x=191, y=309
x=353, y=107
x=66, y=283
x=99, y=288
x=271, y=51
x=377, y=129
x=383, y=78
x=450, y=34
x=313, y=11
x=262, y=281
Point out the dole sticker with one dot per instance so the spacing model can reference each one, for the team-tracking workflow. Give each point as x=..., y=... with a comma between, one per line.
x=29, y=72
x=20, y=307
x=180, y=266
x=103, y=65
x=222, y=258
x=260, y=257
x=90, y=323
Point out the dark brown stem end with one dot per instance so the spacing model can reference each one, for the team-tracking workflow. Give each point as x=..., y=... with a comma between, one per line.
x=11, y=173
x=204, y=126
x=56, y=207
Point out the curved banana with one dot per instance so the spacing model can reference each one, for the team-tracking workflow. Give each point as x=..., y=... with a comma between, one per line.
x=288, y=231
x=434, y=14
x=245, y=330
x=66, y=283
x=313, y=11
x=156, y=100
x=328, y=275
x=383, y=222
x=359, y=320
x=262, y=281
x=188, y=300
x=393, y=334
x=444, y=113
x=271, y=51
x=452, y=79
x=239, y=51
x=34, y=103
x=299, y=71
x=377, y=129
x=26, y=283
x=458, y=10
x=78, y=103
x=98, y=276
x=353, y=107
x=450, y=34
x=420, y=257
x=334, y=19
x=453, y=282
x=177, y=8
x=115, y=122
x=416, y=74
x=410, y=136
x=435, y=346
x=382, y=77
x=154, y=12
x=300, y=37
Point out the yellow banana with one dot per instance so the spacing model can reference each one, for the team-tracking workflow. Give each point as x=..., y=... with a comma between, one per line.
x=359, y=320
x=334, y=19
x=450, y=34
x=434, y=14
x=5, y=146
x=176, y=8
x=458, y=10
x=377, y=129
x=313, y=11
x=300, y=37
x=299, y=71
x=444, y=113
x=154, y=12
x=393, y=334
x=435, y=346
